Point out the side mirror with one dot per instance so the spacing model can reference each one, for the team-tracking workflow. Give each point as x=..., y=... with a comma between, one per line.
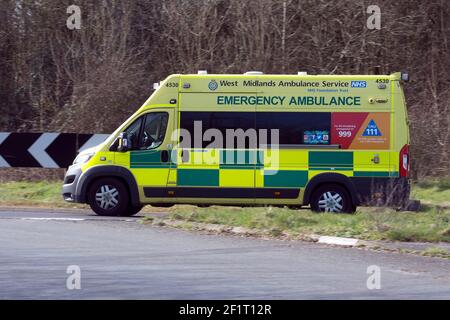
x=123, y=142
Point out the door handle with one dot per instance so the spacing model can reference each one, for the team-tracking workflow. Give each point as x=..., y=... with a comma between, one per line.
x=376, y=158
x=164, y=156
x=184, y=156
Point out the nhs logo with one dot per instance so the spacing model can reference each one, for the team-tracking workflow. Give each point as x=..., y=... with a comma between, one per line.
x=359, y=84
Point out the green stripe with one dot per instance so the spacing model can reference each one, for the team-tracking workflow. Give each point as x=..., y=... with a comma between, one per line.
x=147, y=159
x=331, y=168
x=198, y=177
x=373, y=174
x=286, y=178
x=241, y=159
x=150, y=166
x=145, y=156
x=330, y=159
x=238, y=166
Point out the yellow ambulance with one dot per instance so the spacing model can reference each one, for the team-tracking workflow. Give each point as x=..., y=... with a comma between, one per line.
x=333, y=142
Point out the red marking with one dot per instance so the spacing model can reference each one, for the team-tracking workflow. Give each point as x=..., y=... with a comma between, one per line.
x=345, y=126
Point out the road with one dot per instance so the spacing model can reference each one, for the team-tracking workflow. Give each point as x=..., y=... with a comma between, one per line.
x=121, y=258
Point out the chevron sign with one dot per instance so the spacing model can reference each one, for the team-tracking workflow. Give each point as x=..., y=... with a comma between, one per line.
x=44, y=150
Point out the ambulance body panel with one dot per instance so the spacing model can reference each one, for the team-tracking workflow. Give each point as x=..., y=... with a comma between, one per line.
x=347, y=132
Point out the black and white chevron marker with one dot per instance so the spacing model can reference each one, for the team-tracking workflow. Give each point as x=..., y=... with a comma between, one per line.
x=44, y=150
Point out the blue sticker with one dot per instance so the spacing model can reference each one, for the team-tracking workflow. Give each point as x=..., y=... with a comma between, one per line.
x=316, y=137
x=372, y=130
x=359, y=84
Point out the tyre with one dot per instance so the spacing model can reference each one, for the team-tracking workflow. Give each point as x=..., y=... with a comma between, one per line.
x=109, y=197
x=132, y=210
x=332, y=198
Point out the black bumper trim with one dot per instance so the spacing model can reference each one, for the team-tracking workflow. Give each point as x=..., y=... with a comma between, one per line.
x=211, y=192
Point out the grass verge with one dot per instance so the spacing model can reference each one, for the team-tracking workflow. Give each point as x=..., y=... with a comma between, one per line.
x=431, y=225
x=34, y=194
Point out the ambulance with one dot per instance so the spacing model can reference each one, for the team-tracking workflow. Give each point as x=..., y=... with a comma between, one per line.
x=331, y=142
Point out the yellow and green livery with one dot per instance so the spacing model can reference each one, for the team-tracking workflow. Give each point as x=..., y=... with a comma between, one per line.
x=329, y=141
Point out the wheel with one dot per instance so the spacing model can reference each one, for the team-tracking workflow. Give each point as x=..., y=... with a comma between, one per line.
x=132, y=210
x=108, y=197
x=332, y=198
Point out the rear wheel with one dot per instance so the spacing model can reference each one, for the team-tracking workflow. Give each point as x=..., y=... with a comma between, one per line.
x=332, y=198
x=109, y=197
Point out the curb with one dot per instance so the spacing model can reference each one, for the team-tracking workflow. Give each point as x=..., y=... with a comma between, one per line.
x=248, y=232
x=339, y=241
x=268, y=235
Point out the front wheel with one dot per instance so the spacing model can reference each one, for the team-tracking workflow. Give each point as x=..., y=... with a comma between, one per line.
x=109, y=197
x=132, y=210
x=332, y=198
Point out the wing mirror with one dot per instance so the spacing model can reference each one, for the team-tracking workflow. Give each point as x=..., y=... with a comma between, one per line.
x=124, y=144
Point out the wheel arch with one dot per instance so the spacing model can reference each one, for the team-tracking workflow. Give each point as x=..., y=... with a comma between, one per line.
x=97, y=172
x=326, y=178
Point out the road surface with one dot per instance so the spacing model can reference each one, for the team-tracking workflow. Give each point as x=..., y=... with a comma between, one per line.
x=121, y=258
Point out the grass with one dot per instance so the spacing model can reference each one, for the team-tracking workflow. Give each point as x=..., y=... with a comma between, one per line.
x=436, y=252
x=432, y=224
x=41, y=194
x=435, y=192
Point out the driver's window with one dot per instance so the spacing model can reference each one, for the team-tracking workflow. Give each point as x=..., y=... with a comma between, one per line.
x=154, y=130
x=133, y=133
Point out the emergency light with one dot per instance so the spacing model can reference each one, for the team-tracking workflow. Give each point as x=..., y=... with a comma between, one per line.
x=404, y=76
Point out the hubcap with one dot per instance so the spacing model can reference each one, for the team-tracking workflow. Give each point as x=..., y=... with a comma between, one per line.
x=107, y=197
x=331, y=201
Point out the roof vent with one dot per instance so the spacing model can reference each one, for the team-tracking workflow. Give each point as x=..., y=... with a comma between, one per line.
x=253, y=73
x=302, y=73
x=203, y=72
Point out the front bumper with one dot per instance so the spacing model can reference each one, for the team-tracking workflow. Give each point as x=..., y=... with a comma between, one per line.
x=69, y=189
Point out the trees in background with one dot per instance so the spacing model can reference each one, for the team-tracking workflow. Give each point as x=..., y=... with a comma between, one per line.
x=90, y=80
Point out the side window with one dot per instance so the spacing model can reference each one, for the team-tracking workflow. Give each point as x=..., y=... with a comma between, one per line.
x=297, y=127
x=154, y=130
x=133, y=133
x=216, y=120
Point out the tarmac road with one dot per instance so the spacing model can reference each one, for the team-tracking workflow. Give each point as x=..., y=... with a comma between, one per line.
x=121, y=258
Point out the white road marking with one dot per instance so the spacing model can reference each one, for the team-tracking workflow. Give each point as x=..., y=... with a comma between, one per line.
x=37, y=150
x=55, y=219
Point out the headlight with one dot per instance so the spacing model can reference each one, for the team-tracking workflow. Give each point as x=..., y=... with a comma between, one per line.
x=82, y=158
